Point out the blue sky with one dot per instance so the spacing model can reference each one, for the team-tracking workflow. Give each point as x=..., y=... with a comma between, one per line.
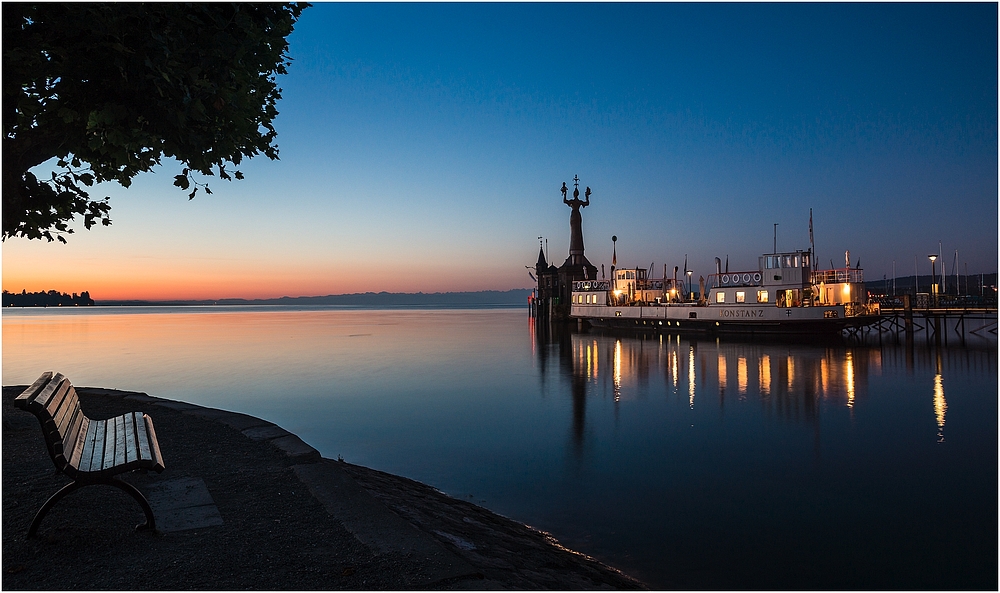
x=423, y=147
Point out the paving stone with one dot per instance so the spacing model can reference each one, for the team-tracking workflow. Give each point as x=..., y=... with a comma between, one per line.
x=296, y=448
x=266, y=433
x=378, y=527
x=189, y=518
x=182, y=503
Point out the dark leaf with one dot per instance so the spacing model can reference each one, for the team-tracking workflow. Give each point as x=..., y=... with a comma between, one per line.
x=111, y=89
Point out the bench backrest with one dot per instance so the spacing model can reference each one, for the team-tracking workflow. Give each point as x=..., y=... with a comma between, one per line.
x=53, y=400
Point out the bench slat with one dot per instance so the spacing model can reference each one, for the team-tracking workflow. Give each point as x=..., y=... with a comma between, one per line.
x=53, y=440
x=131, y=453
x=97, y=459
x=58, y=399
x=120, y=440
x=88, y=447
x=66, y=410
x=142, y=435
x=48, y=415
x=72, y=434
x=109, y=445
x=81, y=440
x=154, y=445
x=42, y=399
x=62, y=442
x=29, y=394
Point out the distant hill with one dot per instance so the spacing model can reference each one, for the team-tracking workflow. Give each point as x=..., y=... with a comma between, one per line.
x=973, y=284
x=485, y=298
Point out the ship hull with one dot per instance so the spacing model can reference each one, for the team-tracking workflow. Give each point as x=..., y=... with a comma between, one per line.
x=722, y=319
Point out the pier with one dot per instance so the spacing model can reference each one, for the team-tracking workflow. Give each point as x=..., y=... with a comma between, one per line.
x=954, y=322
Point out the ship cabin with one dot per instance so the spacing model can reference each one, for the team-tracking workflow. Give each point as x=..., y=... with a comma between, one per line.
x=781, y=279
x=788, y=280
x=627, y=287
x=844, y=286
x=633, y=286
x=591, y=292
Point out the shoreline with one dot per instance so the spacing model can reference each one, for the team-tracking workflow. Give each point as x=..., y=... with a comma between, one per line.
x=410, y=534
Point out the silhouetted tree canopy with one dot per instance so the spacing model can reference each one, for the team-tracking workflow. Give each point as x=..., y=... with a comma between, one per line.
x=51, y=298
x=111, y=89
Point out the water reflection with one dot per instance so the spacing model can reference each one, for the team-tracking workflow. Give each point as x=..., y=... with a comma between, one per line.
x=792, y=381
x=618, y=370
x=788, y=381
x=940, y=405
x=852, y=402
x=849, y=378
x=764, y=375
x=691, y=377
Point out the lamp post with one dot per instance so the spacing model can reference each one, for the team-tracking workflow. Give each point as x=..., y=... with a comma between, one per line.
x=934, y=286
x=690, y=288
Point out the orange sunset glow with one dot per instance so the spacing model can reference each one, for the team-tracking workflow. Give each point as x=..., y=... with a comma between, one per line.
x=162, y=278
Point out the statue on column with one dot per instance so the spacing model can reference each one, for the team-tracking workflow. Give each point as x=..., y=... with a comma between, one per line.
x=575, y=219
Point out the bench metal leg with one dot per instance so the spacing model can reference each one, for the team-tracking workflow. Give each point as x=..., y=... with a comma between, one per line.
x=150, y=523
x=49, y=504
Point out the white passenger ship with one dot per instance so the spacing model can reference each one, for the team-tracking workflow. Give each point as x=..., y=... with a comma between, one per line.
x=783, y=295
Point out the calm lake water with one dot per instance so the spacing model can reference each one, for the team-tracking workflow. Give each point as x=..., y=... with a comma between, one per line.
x=688, y=463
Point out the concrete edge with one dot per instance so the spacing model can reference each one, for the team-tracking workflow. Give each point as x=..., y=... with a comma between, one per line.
x=174, y=405
x=377, y=526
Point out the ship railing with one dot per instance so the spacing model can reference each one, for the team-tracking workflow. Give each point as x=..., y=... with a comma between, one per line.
x=840, y=276
x=727, y=279
x=950, y=302
x=605, y=285
x=591, y=285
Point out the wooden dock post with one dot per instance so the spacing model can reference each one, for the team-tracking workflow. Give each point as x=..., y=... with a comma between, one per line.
x=908, y=315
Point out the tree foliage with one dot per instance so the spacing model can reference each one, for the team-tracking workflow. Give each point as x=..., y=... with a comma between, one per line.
x=51, y=298
x=111, y=89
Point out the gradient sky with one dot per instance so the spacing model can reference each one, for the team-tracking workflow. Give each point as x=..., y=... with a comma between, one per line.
x=423, y=147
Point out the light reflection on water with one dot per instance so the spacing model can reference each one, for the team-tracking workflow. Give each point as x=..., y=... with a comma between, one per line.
x=826, y=376
x=691, y=463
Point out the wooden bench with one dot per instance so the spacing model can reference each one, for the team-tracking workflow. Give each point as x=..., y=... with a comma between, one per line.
x=89, y=451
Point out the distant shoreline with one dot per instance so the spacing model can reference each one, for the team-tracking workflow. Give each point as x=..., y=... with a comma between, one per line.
x=481, y=299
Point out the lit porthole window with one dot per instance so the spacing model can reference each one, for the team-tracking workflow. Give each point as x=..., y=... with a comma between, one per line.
x=741, y=296
x=720, y=297
x=762, y=296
